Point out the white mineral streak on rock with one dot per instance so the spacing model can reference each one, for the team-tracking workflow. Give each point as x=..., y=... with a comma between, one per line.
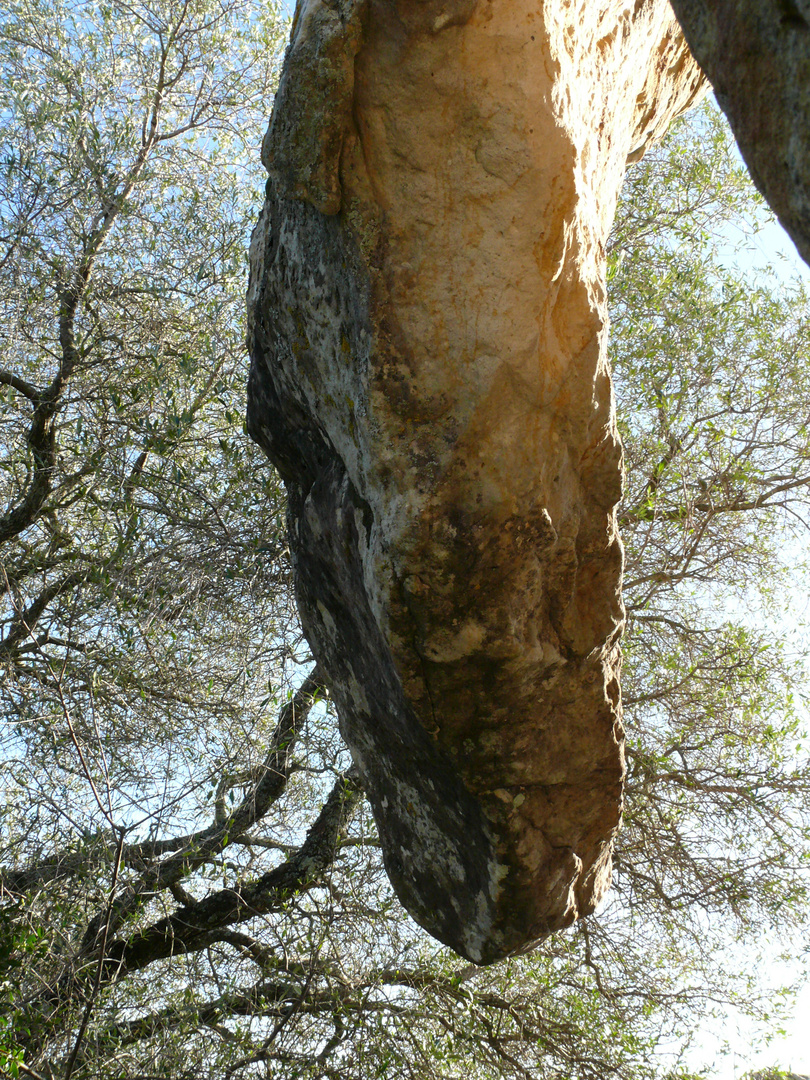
x=446, y=339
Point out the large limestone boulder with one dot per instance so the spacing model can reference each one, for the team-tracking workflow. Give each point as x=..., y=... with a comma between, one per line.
x=428, y=336
x=757, y=55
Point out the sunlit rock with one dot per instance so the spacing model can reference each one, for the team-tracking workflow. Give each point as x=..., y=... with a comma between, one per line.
x=429, y=374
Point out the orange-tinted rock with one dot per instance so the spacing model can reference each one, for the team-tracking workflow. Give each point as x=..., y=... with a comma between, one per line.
x=429, y=374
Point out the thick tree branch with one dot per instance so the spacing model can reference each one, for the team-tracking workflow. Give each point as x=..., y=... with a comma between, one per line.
x=23, y=387
x=192, y=850
x=193, y=928
x=41, y=436
x=25, y=620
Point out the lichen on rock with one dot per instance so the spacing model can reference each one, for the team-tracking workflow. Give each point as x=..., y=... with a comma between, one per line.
x=428, y=336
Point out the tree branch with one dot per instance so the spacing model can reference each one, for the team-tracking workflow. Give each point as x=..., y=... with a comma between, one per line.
x=25, y=620
x=193, y=849
x=193, y=928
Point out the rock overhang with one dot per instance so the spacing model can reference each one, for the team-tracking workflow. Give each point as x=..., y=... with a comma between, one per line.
x=428, y=338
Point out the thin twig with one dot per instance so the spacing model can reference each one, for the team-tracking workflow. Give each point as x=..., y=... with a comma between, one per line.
x=99, y=967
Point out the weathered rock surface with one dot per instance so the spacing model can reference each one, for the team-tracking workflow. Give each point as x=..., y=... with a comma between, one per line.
x=428, y=333
x=757, y=55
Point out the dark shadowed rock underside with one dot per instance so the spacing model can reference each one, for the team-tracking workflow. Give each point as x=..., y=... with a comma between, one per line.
x=428, y=334
x=757, y=55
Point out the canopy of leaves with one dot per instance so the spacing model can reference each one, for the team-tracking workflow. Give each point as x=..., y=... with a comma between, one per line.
x=191, y=883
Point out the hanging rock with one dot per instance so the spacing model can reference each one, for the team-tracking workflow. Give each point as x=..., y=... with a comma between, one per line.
x=428, y=333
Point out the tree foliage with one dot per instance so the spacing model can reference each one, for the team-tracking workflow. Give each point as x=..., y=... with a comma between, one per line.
x=191, y=881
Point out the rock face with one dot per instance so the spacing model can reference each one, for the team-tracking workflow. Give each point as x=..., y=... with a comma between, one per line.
x=757, y=55
x=428, y=332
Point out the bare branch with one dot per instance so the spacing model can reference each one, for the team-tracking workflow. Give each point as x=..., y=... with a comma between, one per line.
x=192, y=929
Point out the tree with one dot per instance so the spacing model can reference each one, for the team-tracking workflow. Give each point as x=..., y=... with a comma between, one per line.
x=191, y=883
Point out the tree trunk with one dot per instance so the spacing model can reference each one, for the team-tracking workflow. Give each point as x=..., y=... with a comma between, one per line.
x=428, y=336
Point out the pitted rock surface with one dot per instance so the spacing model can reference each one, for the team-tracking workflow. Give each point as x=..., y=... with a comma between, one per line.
x=428, y=332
